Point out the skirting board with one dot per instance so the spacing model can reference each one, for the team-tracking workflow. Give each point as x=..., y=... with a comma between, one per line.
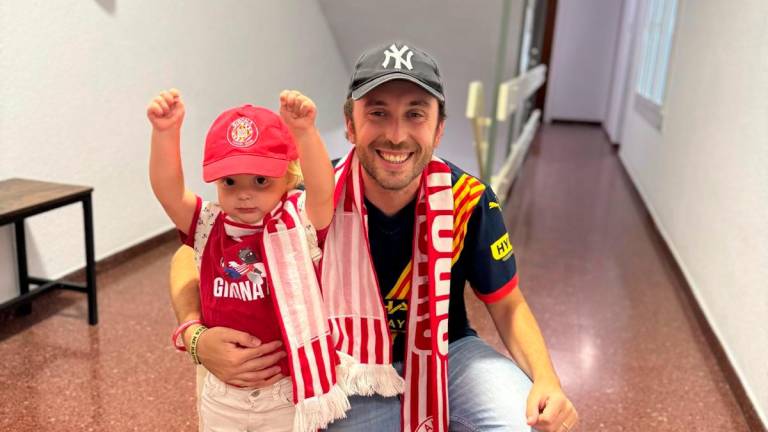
x=111, y=261
x=732, y=377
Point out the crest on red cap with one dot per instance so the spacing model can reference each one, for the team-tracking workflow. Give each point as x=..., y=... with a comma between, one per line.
x=247, y=140
x=242, y=132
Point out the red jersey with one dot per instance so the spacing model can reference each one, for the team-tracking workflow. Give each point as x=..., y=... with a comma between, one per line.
x=234, y=288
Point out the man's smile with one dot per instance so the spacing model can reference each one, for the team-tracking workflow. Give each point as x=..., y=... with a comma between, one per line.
x=394, y=157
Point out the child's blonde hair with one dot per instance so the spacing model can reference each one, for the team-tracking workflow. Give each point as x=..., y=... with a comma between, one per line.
x=294, y=170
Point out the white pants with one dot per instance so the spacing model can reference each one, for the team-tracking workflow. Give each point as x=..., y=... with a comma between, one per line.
x=224, y=408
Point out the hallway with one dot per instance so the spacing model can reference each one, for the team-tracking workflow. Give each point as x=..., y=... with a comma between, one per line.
x=610, y=304
x=622, y=335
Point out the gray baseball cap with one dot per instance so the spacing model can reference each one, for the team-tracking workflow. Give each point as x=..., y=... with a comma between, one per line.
x=395, y=61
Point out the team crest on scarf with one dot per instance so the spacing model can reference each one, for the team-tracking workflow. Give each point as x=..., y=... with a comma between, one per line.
x=426, y=426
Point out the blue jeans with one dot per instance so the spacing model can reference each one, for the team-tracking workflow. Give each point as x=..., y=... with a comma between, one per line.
x=486, y=391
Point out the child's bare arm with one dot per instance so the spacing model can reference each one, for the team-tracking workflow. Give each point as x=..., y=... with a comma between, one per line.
x=166, y=113
x=299, y=113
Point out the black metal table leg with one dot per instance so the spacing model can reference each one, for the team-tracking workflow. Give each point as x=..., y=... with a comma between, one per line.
x=90, y=262
x=21, y=258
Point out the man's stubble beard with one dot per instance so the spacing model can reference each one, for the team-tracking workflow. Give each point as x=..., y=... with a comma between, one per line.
x=382, y=179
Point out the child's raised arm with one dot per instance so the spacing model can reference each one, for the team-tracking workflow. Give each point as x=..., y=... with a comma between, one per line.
x=166, y=113
x=299, y=113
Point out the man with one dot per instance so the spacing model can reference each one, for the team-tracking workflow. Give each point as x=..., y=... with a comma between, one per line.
x=394, y=116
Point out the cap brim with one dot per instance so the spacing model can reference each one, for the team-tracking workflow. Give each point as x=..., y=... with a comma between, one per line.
x=245, y=164
x=372, y=84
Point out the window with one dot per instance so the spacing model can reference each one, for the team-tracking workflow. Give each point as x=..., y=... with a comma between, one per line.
x=657, y=44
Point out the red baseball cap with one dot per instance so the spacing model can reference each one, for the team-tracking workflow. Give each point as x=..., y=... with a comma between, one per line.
x=248, y=140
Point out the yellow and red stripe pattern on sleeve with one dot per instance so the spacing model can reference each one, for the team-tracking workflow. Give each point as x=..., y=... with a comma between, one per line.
x=467, y=191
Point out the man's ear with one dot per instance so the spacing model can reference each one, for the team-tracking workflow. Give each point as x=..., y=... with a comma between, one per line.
x=350, y=131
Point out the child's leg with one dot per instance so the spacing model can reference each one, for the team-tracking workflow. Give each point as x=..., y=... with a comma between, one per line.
x=224, y=408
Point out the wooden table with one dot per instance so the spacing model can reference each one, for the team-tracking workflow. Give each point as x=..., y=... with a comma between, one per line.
x=20, y=199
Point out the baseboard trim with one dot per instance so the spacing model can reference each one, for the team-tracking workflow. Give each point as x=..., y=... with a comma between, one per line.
x=107, y=263
x=111, y=261
x=576, y=122
x=746, y=405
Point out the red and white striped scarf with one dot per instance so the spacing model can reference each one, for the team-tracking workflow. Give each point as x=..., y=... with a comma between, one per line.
x=352, y=296
x=303, y=320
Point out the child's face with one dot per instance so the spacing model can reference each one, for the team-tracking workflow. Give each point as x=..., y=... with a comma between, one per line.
x=246, y=198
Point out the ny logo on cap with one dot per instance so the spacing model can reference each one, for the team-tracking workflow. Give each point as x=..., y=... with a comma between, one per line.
x=393, y=52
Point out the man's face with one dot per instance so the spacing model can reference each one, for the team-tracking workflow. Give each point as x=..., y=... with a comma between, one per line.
x=395, y=129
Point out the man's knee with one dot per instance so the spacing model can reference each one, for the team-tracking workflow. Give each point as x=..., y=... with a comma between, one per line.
x=487, y=391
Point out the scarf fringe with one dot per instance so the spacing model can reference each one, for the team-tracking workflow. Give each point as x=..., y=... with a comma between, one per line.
x=317, y=412
x=368, y=379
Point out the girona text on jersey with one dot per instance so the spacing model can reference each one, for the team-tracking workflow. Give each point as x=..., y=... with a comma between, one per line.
x=243, y=290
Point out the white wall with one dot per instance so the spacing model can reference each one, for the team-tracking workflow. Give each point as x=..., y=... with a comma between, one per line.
x=582, y=59
x=75, y=78
x=613, y=120
x=462, y=36
x=704, y=176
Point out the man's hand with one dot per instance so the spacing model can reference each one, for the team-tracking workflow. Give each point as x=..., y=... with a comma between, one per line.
x=297, y=111
x=166, y=111
x=240, y=359
x=549, y=410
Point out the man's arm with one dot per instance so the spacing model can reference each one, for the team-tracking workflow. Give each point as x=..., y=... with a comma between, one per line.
x=493, y=274
x=548, y=408
x=184, y=287
x=235, y=357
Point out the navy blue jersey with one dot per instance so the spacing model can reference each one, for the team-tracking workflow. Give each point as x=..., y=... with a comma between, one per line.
x=483, y=256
